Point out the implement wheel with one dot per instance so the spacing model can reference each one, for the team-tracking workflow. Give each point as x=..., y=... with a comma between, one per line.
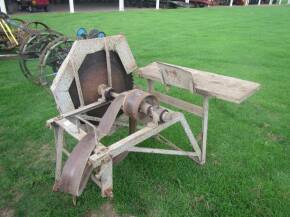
x=30, y=51
x=52, y=57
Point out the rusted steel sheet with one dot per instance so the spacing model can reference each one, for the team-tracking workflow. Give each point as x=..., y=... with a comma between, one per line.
x=110, y=116
x=76, y=170
x=133, y=101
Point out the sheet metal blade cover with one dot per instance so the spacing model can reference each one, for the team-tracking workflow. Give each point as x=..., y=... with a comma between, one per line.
x=110, y=116
x=76, y=171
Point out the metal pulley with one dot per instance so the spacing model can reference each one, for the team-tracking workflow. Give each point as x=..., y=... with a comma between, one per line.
x=143, y=106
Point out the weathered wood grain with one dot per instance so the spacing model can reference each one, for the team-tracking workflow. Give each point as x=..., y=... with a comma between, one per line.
x=205, y=83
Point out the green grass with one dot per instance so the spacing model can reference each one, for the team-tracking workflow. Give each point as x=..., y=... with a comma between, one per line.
x=248, y=166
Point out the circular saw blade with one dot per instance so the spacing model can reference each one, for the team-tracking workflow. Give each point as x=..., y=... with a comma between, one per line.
x=93, y=72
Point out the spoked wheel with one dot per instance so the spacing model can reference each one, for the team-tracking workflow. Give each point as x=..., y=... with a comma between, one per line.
x=30, y=51
x=9, y=33
x=52, y=57
x=36, y=27
x=15, y=23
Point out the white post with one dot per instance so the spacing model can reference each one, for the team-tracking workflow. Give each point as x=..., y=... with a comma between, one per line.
x=231, y=3
x=259, y=2
x=288, y=2
x=157, y=4
x=187, y=1
x=270, y=2
x=3, y=7
x=280, y=1
x=71, y=6
x=121, y=5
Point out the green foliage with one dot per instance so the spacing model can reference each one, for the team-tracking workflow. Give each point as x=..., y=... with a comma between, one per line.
x=248, y=166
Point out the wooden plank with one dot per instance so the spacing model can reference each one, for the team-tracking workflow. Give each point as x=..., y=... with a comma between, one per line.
x=205, y=83
x=77, y=111
x=84, y=109
x=108, y=60
x=66, y=152
x=162, y=151
x=183, y=105
x=71, y=128
x=59, y=142
x=139, y=136
x=204, y=129
x=120, y=44
x=78, y=84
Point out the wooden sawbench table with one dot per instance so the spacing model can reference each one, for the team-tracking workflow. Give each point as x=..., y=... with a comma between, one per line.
x=206, y=84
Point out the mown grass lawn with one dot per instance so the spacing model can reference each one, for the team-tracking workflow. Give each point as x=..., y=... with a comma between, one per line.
x=248, y=166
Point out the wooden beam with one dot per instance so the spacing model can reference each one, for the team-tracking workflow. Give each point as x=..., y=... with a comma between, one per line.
x=204, y=129
x=71, y=128
x=59, y=142
x=84, y=109
x=183, y=105
x=66, y=152
x=78, y=83
x=204, y=83
x=162, y=151
x=108, y=61
x=190, y=136
x=139, y=136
